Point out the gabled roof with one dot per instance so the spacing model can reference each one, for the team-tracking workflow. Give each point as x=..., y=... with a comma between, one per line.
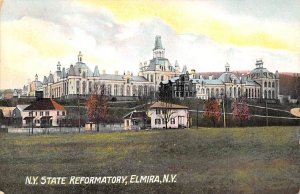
x=21, y=107
x=160, y=104
x=136, y=114
x=7, y=111
x=45, y=104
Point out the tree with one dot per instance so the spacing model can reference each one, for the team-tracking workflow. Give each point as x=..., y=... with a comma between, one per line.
x=212, y=110
x=166, y=100
x=97, y=106
x=240, y=110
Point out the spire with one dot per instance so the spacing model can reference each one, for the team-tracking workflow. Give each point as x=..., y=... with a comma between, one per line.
x=45, y=81
x=50, y=78
x=96, y=71
x=63, y=75
x=79, y=57
x=158, y=44
x=227, y=67
x=184, y=69
x=58, y=66
x=158, y=51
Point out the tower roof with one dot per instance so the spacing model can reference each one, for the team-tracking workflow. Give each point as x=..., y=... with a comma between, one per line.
x=158, y=44
x=45, y=81
x=71, y=71
x=96, y=72
x=50, y=78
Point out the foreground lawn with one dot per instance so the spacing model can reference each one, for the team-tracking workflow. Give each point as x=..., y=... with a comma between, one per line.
x=206, y=160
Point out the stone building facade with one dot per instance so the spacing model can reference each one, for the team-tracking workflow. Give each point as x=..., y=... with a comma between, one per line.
x=259, y=83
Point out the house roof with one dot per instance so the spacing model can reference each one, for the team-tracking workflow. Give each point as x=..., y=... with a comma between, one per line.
x=136, y=114
x=160, y=104
x=45, y=104
x=21, y=107
x=7, y=111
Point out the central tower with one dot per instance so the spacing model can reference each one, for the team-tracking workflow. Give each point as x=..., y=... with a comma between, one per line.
x=158, y=51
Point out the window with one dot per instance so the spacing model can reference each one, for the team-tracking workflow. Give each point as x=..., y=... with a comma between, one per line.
x=172, y=121
x=47, y=113
x=164, y=111
x=63, y=113
x=30, y=114
x=41, y=113
x=157, y=111
x=57, y=113
x=157, y=121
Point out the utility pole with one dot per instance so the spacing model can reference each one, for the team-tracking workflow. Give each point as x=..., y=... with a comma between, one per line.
x=31, y=122
x=224, y=111
x=78, y=113
x=267, y=119
x=197, y=112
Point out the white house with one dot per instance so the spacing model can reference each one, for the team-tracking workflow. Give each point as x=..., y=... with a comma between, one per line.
x=43, y=112
x=167, y=115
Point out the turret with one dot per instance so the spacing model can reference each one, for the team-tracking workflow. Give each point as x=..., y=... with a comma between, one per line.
x=158, y=51
x=227, y=68
x=79, y=57
x=58, y=66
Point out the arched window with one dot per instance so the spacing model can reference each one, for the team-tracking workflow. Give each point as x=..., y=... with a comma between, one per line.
x=115, y=89
x=265, y=84
x=83, y=87
x=109, y=89
x=140, y=90
x=90, y=86
x=217, y=93
x=134, y=90
x=145, y=90
x=207, y=92
x=273, y=85
x=265, y=93
x=269, y=84
x=128, y=91
x=122, y=90
x=273, y=94
x=269, y=94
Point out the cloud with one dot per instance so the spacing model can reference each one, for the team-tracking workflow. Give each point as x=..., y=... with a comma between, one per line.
x=40, y=34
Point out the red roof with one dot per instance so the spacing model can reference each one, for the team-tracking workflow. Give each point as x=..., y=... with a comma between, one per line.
x=45, y=104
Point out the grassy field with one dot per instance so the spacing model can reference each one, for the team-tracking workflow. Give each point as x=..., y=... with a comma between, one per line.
x=206, y=160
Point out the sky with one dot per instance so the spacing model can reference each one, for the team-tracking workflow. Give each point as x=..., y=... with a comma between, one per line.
x=117, y=35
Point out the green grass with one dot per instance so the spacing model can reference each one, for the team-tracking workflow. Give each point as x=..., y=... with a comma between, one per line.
x=206, y=160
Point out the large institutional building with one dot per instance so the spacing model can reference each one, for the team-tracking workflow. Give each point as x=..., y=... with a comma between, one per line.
x=155, y=74
x=259, y=83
